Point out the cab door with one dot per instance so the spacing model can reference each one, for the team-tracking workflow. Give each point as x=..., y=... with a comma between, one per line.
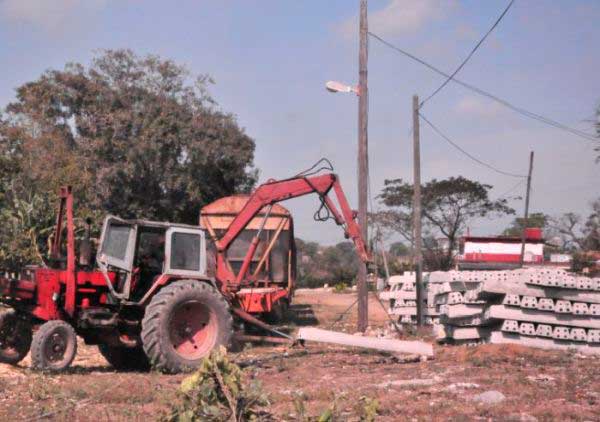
x=185, y=252
x=117, y=244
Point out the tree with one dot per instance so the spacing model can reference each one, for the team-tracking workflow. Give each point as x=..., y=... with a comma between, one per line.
x=398, y=249
x=326, y=264
x=536, y=219
x=341, y=262
x=575, y=233
x=591, y=230
x=447, y=206
x=135, y=136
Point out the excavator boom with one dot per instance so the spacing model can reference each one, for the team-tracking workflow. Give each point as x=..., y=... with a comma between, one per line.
x=275, y=191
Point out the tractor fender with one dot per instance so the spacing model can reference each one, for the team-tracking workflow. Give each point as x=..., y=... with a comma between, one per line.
x=165, y=279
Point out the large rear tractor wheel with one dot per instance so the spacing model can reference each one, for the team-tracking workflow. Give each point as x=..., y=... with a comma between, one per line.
x=125, y=358
x=15, y=338
x=278, y=313
x=54, y=346
x=183, y=323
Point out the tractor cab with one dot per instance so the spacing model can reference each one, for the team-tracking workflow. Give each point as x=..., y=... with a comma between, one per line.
x=143, y=251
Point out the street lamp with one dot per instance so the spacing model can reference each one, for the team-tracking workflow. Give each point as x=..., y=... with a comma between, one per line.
x=334, y=86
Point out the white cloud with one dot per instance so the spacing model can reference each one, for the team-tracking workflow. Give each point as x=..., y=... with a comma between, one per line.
x=50, y=15
x=478, y=107
x=400, y=17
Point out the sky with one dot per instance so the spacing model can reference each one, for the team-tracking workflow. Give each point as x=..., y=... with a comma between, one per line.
x=270, y=60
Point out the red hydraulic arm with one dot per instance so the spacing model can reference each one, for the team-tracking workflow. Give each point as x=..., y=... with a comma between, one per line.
x=66, y=207
x=280, y=190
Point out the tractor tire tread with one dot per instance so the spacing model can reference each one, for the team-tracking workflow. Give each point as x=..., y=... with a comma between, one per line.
x=26, y=335
x=38, y=361
x=154, y=346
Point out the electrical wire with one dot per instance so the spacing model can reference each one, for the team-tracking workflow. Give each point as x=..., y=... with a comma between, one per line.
x=505, y=103
x=477, y=160
x=464, y=62
x=342, y=315
x=519, y=183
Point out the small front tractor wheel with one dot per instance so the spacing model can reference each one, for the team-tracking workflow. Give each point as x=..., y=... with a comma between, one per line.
x=125, y=358
x=54, y=346
x=15, y=338
x=183, y=323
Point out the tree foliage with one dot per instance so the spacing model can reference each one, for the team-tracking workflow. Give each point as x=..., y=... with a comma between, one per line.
x=326, y=264
x=576, y=233
x=536, y=219
x=398, y=249
x=447, y=207
x=135, y=136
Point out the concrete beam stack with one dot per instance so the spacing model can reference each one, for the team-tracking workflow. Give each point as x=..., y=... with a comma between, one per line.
x=402, y=294
x=538, y=307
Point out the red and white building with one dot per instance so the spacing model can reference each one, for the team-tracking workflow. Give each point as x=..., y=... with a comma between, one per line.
x=500, y=252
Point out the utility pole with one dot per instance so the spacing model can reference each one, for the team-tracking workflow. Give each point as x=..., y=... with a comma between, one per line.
x=363, y=162
x=417, y=211
x=526, y=216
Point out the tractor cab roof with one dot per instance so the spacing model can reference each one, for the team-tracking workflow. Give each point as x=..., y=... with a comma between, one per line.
x=149, y=223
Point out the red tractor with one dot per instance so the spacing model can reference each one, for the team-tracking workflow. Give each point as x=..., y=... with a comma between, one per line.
x=160, y=294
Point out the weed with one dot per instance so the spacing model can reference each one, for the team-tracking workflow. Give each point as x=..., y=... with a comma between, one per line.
x=299, y=400
x=330, y=414
x=482, y=361
x=39, y=388
x=216, y=392
x=369, y=409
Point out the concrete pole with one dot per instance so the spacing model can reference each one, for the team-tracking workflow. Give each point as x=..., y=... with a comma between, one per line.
x=363, y=162
x=526, y=216
x=417, y=239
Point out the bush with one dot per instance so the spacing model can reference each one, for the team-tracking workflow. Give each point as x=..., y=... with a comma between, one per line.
x=310, y=282
x=584, y=263
x=340, y=287
x=216, y=392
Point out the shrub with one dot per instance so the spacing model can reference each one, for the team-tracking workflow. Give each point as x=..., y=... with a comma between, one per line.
x=340, y=287
x=216, y=392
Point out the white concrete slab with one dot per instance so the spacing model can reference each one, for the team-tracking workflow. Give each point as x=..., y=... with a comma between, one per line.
x=496, y=288
x=466, y=333
x=530, y=315
x=499, y=337
x=461, y=310
x=510, y=326
x=390, y=345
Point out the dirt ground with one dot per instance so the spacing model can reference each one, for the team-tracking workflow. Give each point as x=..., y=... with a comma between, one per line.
x=537, y=385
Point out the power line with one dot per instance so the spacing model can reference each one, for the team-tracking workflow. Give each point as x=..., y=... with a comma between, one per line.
x=464, y=62
x=505, y=103
x=519, y=183
x=477, y=160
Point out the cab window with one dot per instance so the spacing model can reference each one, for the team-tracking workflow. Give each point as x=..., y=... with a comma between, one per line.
x=185, y=251
x=116, y=242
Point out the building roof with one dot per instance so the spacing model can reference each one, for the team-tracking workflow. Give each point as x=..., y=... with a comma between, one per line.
x=500, y=239
x=532, y=235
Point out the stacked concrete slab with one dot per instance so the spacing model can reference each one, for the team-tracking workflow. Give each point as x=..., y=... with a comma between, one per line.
x=539, y=307
x=402, y=296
